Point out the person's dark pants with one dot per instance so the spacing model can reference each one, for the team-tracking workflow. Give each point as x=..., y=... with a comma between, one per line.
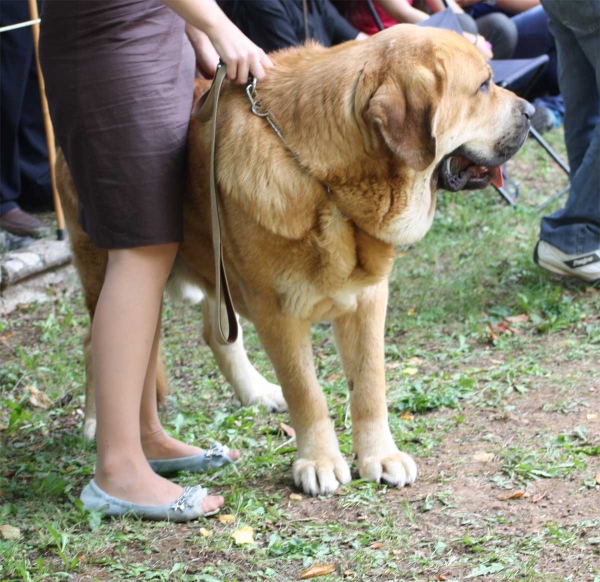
x=24, y=171
x=497, y=28
x=575, y=229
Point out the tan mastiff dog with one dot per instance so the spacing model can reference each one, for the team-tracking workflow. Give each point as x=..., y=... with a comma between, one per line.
x=372, y=130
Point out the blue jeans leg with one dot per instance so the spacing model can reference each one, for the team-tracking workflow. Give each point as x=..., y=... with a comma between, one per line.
x=575, y=229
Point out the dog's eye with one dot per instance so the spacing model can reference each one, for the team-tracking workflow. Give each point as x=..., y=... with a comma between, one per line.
x=485, y=86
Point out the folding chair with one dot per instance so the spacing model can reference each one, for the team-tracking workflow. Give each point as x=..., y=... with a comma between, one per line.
x=518, y=75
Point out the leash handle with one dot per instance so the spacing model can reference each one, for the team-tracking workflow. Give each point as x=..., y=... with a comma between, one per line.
x=208, y=112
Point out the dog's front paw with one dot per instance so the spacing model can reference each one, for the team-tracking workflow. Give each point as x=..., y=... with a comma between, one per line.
x=266, y=394
x=89, y=429
x=396, y=468
x=322, y=476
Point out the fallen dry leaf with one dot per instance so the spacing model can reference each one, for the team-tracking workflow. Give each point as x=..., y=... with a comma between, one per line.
x=287, y=430
x=414, y=361
x=226, y=518
x=9, y=532
x=398, y=552
x=393, y=365
x=244, y=535
x=406, y=416
x=376, y=545
x=205, y=532
x=441, y=577
x=592, y=416
x=296, y=497
x=503, y=327
x=361, y=518
x=517, y=318
x=514, y=495
x=483, y=457
x=6, y=336
x=37, y=398
x=3, y=427
x=598, y=478
x=539, y=496
x=493, y=335
x=318, y=570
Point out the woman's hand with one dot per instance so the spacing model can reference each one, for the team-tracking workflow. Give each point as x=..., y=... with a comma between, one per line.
x=482, y=45
x=207, y=57
x=237, y=51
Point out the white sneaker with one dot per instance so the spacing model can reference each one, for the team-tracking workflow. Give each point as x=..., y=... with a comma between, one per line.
x=585, y=267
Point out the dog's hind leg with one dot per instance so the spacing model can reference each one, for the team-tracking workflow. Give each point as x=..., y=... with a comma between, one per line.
x=360, y=339
x=248, y=384
x=90, y=263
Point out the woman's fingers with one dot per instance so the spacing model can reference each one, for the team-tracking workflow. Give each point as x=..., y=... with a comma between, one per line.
x=231, y=68
x=242, y=72
x=242, y=57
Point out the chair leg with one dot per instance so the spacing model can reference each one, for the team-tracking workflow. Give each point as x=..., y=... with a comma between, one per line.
x=511, y=193
x=553, y=198
x=549, y=149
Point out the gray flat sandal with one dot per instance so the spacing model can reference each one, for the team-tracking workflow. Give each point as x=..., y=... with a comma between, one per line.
x=186, y=507
x=212, y=458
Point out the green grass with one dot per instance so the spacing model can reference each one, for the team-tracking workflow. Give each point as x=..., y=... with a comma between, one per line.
x=525, y=398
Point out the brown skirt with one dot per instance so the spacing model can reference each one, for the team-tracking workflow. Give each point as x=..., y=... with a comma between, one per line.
x=119, y=78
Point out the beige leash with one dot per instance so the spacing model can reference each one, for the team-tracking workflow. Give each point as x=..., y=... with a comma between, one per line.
x=208, y=112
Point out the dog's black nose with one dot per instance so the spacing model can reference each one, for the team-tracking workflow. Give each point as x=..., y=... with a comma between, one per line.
x=527, y=108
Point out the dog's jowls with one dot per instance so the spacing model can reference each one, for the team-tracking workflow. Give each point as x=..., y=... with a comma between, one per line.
x=372, y=130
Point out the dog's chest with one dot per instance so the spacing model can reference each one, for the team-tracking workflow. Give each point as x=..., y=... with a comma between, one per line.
x=308, y=299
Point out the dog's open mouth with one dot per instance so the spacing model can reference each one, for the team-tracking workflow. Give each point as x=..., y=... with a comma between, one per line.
x=457, y=172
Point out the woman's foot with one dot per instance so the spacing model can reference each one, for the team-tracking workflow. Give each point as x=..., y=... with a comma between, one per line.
x=187, y=507
x=159, y=445
x=136, y=482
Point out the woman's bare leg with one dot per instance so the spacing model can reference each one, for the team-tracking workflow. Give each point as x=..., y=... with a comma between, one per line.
x=156, y=443
x=123, y=333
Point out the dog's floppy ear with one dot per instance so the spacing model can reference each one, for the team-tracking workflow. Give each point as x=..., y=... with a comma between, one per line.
x=404, y=114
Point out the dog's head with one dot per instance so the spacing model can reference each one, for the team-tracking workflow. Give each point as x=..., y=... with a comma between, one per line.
x=434, y=100
x=427, y=104
x=384, y=123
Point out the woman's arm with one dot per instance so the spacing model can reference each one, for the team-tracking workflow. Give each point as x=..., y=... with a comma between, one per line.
x=437, y=5
x=239, y=54
x=402, y=11
x=206, y=55
x=511, y=6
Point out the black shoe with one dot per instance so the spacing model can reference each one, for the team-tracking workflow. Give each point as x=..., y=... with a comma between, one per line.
x=543, y=119
x=20, y=223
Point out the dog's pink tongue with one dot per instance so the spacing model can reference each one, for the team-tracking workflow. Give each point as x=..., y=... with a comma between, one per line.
x=496, y=177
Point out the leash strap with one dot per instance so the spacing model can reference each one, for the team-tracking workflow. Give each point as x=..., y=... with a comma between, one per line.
x=208, y=112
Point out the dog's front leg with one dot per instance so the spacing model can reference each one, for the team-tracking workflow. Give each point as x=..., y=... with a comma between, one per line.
x=360, y=339
x=320, y=467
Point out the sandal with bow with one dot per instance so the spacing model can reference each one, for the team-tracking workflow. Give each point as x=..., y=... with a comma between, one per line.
x=186, y=507
x=212, y=458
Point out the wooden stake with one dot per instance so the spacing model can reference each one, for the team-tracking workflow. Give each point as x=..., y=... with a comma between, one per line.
x=35, y=28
